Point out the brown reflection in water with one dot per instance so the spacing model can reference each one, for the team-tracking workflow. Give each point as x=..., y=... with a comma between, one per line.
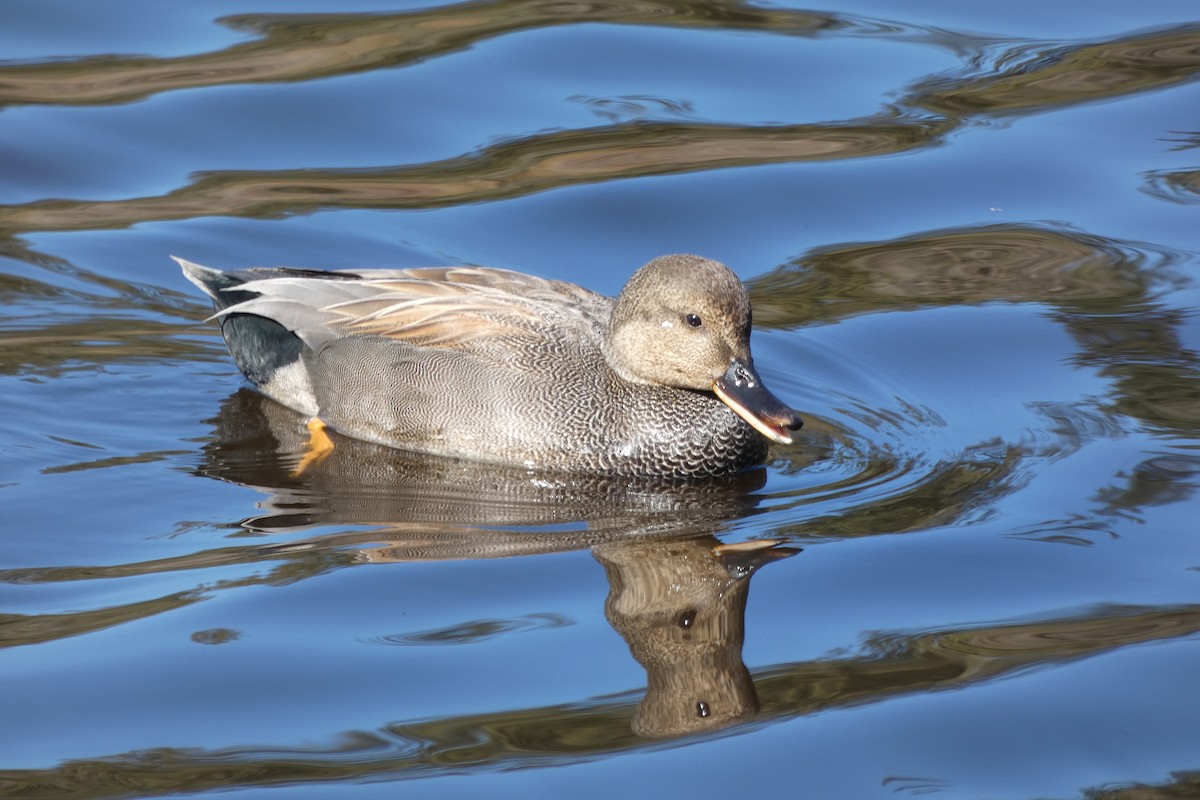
x=933, y=495
x=1184, y=785
x=297, y=47
x=293, y=48
x=54, y=349
x=22, y=629
x=1103, y=292
x=681, y=605
x=1156, y=378
x=50, y=330
x=511, y=169
x=962, y=266
x=306, y=47
x=938, y=660
x=1064, y=76
x=1181, y=186
x=889, y=666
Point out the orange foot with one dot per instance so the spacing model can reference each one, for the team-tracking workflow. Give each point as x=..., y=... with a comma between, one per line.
x=319, y=446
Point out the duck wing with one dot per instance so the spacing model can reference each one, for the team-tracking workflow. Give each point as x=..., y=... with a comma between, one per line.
x=465, y=308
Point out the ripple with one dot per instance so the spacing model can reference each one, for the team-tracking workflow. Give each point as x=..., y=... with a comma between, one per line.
x=474, y=631
x=216, y=636
x=1031, y=78
x=1177, y=186
x=626, y=107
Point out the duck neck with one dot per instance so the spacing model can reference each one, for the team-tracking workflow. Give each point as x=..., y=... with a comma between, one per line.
x=617, y=347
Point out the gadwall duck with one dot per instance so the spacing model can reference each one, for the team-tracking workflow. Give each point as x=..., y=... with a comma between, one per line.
x=494, y=365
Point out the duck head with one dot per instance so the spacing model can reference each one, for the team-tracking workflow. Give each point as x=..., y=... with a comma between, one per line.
x=684, y=321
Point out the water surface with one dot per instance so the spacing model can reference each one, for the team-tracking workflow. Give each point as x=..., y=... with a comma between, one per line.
x=970, y=235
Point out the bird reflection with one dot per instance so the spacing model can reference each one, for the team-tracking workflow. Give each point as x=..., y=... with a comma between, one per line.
x=680, y=604
x=677, y=593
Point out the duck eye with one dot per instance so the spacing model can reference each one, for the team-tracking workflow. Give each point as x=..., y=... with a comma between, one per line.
x=693, y=320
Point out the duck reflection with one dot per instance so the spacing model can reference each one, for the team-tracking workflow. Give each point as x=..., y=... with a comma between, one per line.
x=677, y=593
x=681, y=606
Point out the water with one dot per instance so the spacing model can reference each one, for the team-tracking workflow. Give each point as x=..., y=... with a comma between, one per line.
x=970, y=235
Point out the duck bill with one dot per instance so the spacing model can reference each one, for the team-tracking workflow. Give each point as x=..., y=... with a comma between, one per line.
x=742, y=390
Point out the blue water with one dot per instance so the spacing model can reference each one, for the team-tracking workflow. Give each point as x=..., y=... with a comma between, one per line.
x=970, y=235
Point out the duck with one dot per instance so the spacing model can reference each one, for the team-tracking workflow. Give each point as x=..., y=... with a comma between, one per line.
x=500, y=366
